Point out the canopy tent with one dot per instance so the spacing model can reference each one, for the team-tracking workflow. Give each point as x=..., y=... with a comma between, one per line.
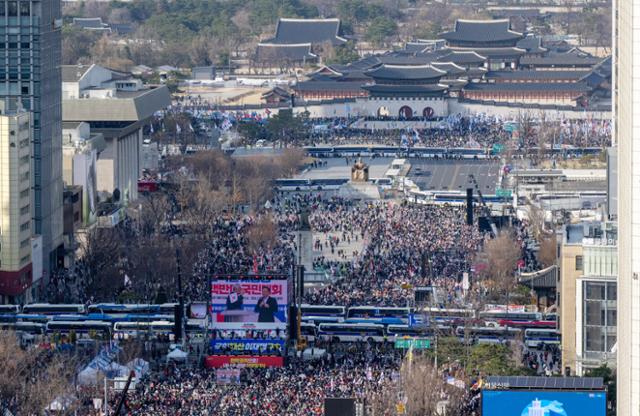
x=177, y=355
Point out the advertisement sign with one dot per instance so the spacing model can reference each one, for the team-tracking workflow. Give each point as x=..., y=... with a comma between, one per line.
x=242, y=300
x=198, y=310
x=218, y=361
x=543, y=403
x=228, y=376
x=239, y=345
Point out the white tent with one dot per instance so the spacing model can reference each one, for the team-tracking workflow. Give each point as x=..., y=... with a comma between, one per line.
x=88, y=376
x=116, y=370
x=177, y=355
x=140, y=366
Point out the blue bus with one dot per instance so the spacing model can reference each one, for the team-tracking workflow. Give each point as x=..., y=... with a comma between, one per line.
x=383, y=315
x=351, y=332
x=83, y=328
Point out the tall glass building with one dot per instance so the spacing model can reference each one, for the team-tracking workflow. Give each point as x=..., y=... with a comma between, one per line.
x=30, y=45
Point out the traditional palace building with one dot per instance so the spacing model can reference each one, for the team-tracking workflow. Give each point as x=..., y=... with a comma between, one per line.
x=477, y=61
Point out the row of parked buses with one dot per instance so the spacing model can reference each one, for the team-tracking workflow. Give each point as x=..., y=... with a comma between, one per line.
x=400, y=315
x=381, y=324
x=103, y=320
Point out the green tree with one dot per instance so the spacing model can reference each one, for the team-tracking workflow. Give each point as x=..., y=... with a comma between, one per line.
x=287, y=127
x=609, y=377
x=495, y=360
x=380, y=29
x=344, y=54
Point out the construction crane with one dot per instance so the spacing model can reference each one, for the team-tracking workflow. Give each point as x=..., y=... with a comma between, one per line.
x=487, y=210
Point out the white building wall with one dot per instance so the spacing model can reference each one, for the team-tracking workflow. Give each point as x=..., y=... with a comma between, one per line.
x=627, y=112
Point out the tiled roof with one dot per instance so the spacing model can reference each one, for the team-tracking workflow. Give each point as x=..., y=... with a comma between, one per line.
x=73, y=73
x=269, y=52
x=537, y=75
x=462, y=57
x=449, y=67
x=532, y=44
x=481, y=31
x=89, y=23
x=295, y=31
x=407, y=72
x=328, y=86
x=416, y=46
x=405, y=89
x=499, y=52
x=567, y=58
x=527, y=86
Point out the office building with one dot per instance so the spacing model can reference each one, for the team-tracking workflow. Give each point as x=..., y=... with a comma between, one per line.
x=588, y=294
x=30, y=33
x=15, y=206
x=99, y=101
x=627, y=131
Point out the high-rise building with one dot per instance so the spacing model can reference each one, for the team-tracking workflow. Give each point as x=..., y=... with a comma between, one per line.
x=30, y=47
x=15, y=205
x=627, y=127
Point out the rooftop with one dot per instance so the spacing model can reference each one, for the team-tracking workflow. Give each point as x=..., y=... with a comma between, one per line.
x=296, y=31
x=572, y=57
x=481, y=31
x=406, y=72
x=291, y=52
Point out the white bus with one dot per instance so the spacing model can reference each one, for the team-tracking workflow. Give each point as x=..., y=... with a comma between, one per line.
x=536, y=337
x=488, y=335
x=133, y=329
x=449, y=316
x=51, y=309
x=308, y=331
x=322, y=313
x=351, y=332
x=10, y=309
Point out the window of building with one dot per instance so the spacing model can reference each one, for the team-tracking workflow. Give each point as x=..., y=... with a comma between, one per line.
x=25, y=8
x=25, y=226
x=25, y=259
x=24, y=193
x=578, y=262
x=12, y=8
x=24, y=243
x=24, y=210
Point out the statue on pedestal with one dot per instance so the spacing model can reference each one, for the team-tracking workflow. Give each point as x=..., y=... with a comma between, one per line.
x=359, y=171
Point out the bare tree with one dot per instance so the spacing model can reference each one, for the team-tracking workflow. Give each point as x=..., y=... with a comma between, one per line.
x=420, y=391
x=548, y=253
x=262, y=234
x=501, y=255
x=31, y=379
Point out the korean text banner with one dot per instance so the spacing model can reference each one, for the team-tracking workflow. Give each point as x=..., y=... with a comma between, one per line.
x=543, y=403
x=217, y=361
x=257, y=345
x=239, y=301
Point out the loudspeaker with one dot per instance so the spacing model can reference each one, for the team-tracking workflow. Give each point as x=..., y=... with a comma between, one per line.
x=469, y=206
x=177, y=326
x=339, y=407
x=293, y=322
x=300, y=282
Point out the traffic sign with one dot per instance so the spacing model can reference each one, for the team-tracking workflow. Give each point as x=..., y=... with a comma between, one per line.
x=417, y=343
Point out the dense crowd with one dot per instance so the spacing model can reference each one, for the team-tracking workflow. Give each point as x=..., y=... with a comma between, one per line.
x=405, y=246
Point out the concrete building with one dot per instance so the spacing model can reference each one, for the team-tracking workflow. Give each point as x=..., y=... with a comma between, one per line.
x=117, y=106
x=588, y=294
x=16, y=178
x=626, y=106
x=81, y=152
x=30, y=78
